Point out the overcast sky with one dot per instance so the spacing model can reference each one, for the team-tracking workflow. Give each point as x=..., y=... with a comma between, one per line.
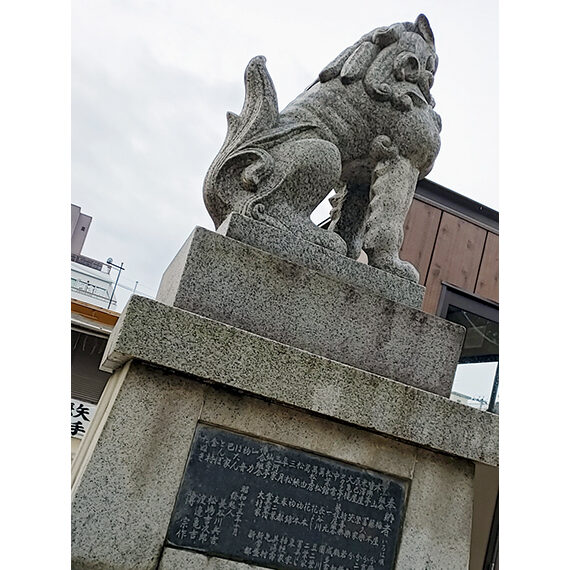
x=152, y=81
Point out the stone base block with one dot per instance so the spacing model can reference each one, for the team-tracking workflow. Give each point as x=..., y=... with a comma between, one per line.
x=290, y=247
x=122, y=506
x=190, y=344
x=124, y=500
x=319, y=310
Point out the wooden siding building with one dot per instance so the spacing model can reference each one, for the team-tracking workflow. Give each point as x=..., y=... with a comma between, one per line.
x=453, y=240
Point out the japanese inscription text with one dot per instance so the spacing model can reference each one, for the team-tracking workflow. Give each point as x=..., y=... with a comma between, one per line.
x=263, y=503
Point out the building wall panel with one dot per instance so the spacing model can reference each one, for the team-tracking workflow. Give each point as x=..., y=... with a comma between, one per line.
x=488, y=279
x=420, y=231
x=456, y=258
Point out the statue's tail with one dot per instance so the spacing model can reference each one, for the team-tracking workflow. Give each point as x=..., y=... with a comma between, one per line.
x=238, y=168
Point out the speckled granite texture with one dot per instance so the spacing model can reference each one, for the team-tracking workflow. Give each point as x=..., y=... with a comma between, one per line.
x=367, y=122
x=437, y=527
x=173, y=559
x=234, y=283
x=262, y=332
x=123, y=503
x=290, y=247
x=179, y=340
x=122, y=507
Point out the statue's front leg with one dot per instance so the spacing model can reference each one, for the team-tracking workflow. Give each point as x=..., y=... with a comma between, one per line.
x=391, y=192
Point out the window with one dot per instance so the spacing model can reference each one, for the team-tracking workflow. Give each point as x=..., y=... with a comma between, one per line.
x=87, y=381
x=476, y=381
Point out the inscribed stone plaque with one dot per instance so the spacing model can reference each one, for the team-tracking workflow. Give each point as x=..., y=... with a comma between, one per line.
x=258, y=502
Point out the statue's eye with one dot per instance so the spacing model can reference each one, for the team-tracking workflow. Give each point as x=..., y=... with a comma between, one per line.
x=431, y=64
x=411, y=63
x=406, y=66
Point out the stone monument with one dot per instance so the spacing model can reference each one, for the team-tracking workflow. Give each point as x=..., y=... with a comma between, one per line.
x=366, y=129
x=280, y=404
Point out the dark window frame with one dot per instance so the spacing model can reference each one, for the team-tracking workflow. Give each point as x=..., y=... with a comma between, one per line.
x=453, y=295
x=492, y=551
x=87, y=388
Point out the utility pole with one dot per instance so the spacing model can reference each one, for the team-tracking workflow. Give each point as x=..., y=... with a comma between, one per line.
x=120, y=268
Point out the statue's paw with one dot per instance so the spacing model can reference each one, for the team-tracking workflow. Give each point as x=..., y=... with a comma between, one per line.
x=394, y=265
x=331, y=240
x=304, y=229
x=406, y=270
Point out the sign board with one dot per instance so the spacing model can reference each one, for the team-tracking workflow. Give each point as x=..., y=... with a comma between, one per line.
x=266, y=504
x=81, y=416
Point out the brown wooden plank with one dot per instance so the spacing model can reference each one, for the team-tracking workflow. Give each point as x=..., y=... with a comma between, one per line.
x=456, y=258
x=488, y=280
x=420, y=230
x=94, y=313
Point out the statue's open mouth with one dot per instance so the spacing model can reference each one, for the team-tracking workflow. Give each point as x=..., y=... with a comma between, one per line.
x=417, y=94
x=417, y=98
x=414, y=92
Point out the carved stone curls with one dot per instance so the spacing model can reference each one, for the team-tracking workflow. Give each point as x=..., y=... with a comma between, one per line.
x=365, y=129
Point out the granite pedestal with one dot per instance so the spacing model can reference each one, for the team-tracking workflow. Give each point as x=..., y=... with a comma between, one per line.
x=238, y=340
x=311, y=298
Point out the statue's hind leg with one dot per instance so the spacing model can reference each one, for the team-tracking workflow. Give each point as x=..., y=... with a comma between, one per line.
x=305, y=172
x=348, y=215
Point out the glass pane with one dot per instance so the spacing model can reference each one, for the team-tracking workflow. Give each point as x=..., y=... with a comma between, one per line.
x=482, y=337
x=473, y=384
x=479, y=360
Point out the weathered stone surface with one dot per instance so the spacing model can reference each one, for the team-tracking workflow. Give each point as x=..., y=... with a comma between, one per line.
x=290, y=247
x=173, y=559
x=368, y=115
x=124, y=500
x=269, y=335
x=123, y=504
x=269, y=420
x=437, y=527
x=430, y=501
x=191, y=344
x=229, y=281
x=264, y=478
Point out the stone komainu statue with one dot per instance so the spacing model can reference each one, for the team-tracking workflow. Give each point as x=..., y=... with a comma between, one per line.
x=365, y=129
